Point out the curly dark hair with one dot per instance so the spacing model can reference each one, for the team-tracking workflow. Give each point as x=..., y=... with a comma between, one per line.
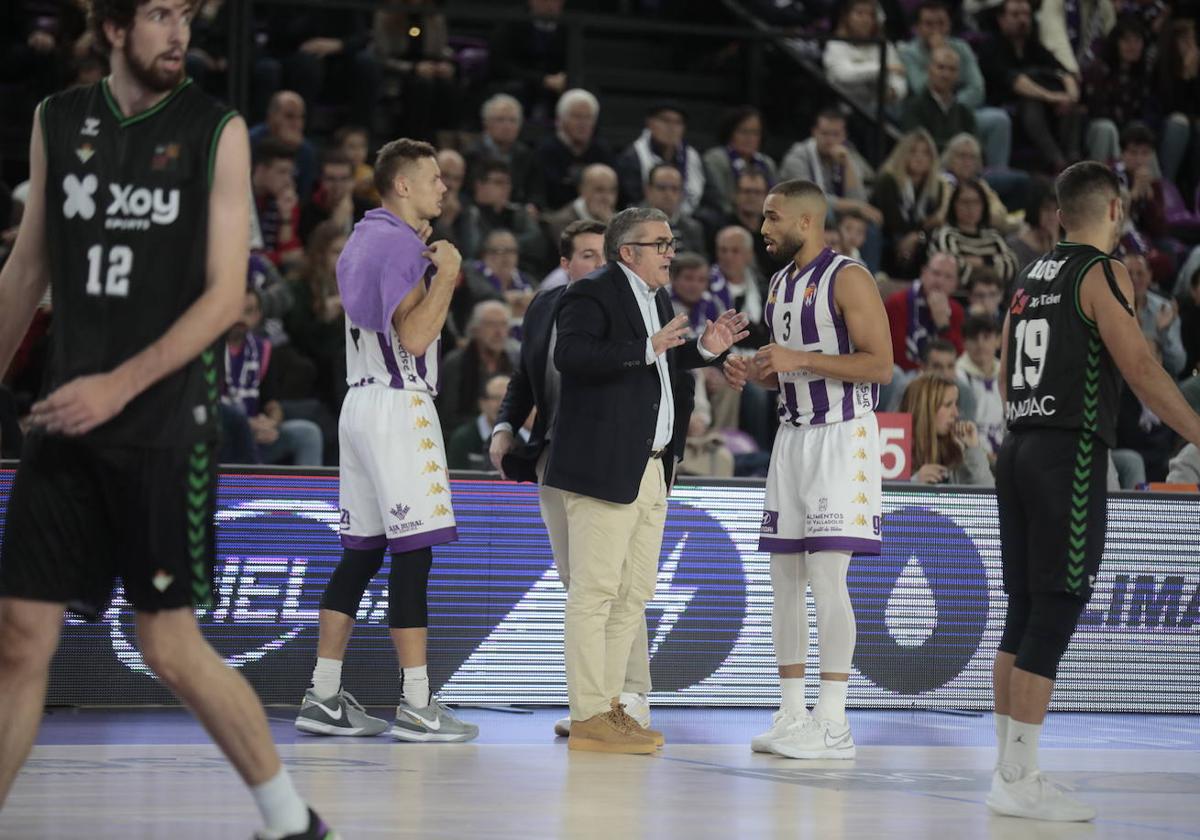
x=118, y=12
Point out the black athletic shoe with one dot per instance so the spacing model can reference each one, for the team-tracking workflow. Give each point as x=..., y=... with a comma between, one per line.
x=317, y=830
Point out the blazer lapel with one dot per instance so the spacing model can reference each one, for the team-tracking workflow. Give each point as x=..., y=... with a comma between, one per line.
x=628, y=302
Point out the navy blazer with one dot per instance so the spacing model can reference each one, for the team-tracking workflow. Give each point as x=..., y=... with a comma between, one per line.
x=608, y=406
x=527, y=388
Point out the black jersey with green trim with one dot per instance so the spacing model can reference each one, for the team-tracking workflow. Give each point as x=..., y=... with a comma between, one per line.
x=1060, y=375
x=127, y=243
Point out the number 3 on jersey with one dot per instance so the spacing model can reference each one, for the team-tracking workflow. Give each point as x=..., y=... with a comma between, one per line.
x=116, y=281
x=1032, y=339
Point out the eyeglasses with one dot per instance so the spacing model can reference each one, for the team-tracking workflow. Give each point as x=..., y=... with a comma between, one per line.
x=502, y=252
x=659, y=245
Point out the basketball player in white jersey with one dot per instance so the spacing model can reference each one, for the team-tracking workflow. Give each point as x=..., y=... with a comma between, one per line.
x=393, y=485
x=830, y=351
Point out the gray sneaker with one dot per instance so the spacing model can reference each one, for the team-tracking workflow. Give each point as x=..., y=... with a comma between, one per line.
x=433, y=723
x=340, y=714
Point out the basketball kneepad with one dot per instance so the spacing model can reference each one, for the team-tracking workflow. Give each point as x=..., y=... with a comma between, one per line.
x=1052, y=622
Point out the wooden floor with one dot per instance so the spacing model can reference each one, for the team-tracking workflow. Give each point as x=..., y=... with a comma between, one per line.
x=151, y=773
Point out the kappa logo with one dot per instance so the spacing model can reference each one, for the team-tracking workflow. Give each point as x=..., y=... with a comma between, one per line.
x=435, y=489
x=91, y=127
x=400, y=511
x=79, y=200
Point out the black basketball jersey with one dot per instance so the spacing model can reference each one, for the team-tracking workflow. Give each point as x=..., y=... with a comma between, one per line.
x=127, y=239
x=1060, y=374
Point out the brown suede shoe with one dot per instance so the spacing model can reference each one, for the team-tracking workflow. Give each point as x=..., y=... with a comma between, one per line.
x=632, y=724
x=608, y=733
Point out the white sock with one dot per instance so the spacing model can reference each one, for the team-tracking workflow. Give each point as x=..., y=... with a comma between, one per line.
x=416, y=686
x=1001, y=723
x=1020, y=750
x=793, y=696
x=283, y=811
x=327, y=677
x=831, y=701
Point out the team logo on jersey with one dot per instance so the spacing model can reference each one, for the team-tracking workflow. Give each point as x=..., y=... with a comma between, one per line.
x=810, y=295
x=441, y=510
x=91, y=127
x=79, y=200
x=400, y=511
x=85, y=152
x=136, y=208
x=165, y=157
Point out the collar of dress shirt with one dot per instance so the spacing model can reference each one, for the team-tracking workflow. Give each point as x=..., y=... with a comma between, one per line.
x=639, y=285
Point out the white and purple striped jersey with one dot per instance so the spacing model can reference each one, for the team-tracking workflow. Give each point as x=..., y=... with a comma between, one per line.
x=801, y=315
x=373, y=358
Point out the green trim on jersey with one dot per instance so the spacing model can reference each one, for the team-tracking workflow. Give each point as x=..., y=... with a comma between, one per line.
x=122, y=120
x=212, y=147
x=199, y=487
x=41, y=110
x=1079, y=283
x=1081, y=480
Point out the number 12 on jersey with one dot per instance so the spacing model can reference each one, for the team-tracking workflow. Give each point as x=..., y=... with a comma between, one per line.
x=116, y=280
x=1032, y=339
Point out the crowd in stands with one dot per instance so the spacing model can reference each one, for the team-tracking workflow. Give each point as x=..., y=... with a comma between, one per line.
x=990, y=98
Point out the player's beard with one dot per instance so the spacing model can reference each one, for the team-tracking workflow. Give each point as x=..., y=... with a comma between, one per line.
x=787, y=248
x=149, y=75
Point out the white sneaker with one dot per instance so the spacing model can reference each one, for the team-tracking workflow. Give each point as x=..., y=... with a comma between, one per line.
x=1037, y=798
x=637, y=706
x=815, y=739
x=562, y=727
x=780, y=721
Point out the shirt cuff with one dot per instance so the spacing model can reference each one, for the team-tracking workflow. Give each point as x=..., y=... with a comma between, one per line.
x=651, y=356
x=705, y=354
x=502, y=427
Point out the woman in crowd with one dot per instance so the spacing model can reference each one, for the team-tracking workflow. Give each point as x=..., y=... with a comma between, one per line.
x=855, y=66
x=909, y=192
x=947, y=450
x=315, y=323
x=741, y=134
x=962, y=160
x=1040, y=231
x=1119, y=88
x=969, y=236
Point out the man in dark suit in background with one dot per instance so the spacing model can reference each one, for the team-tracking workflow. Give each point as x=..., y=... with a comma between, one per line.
x=620, y=429
x=536, y=384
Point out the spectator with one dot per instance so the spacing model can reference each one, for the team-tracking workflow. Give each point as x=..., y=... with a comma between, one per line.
x=1071, y=29
x=326, y=50
x=662, y=141
x=979, y=368
x=492, y=209
x=1135, y=170
x=315, y=323
x=748, y=198
x=1185, y=467
x=1157, y=316
x=564, y=155
x=970, y=238
x=1118, y=88
x=948, y=450
x=39, y=40
x=412, y=49
x=833, y=238
x=274, y=296
x=250, y=385
x=704, y=452
x=935, y=108
x=530, y=57
x=275, y=201
x=334, y=198
x=852, y=230
x=926, y=311
x=502, y=118
x=854, y=67
x=487, y=352
x=354, y=142
x=455, y=224
x=735, y=283
x=597, y=201
x=664, y=191
x=827, y=159
x=986, y=296
x=1023, y=75
x=1140, y=430
x=909, y=194
x=1189, y=323
x=1041, y=229
x=497, y=273
x=963, y=161
x=932, y=30
x=466, y=449
x=939, y=359
x=1179, y=91
x=689, y=292
x=285, y=124
x=740, y=150
x=208, y=64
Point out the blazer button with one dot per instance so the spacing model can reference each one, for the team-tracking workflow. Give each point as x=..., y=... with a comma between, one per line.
x=650, y=441
x=654, y=407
